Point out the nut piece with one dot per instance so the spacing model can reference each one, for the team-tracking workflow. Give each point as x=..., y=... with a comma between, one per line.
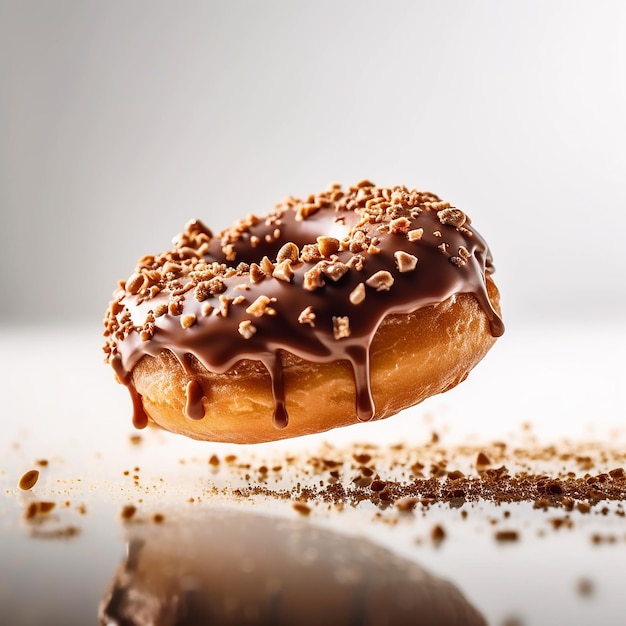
x=307, y=316
x=246, y=329
x=341, y=327
x=357, y=295
x=28, y=480
x=405, y=262
x=327, y=245
x=261, y=307
x=289, y=252
x=415, y=234
x=186, y=321
x=283, y=271
x=381, y=281
x=452, y=217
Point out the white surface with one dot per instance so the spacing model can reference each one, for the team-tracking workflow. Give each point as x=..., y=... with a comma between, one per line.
x=61, y=404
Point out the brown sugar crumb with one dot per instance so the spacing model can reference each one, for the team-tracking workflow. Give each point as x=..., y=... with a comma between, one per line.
x=158, y=518
x=408, y=503
x=302, y=509
x=28, y=480
x=128, y=511
x=135, y=439
x=341, y=327
x=506, y=535
x=482, y=461
x=437, y=533
x=214, y=460
x=585, y=587
x=44, y=462
x=38, y=508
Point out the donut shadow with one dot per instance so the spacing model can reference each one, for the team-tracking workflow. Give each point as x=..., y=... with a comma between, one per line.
x=224, y=567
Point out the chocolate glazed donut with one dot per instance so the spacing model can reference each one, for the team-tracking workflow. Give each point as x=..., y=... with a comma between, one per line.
x=374, y=298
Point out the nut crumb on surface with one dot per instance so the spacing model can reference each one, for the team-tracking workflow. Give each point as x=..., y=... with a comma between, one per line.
x=28, y=480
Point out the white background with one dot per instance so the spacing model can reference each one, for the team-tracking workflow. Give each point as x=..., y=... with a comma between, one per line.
x=119, y=121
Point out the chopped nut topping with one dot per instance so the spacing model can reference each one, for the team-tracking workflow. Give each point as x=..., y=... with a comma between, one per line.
x=246, y=329
x=283, y=271
x=267, y=266
x=415, y=234
x=289, y=252
x=327, y=245
x=334, y=270
x=464, y=253
x=135, y=283
x=175, y=307
x=186, y=321
x=437, y=233
x=313, y=279
x=261, y=307
x=310, y=253
x=357, y=295
x=399, y=225
x=307, y=316
x=225, y=303
x=207, y=309
x=405, y=262
x=256, y=274
x=341, y=327
x=381, y=281
x=160, y=310
x=452, y=217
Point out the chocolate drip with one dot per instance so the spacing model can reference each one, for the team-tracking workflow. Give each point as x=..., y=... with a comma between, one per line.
x=194, y=409
x=275, y=369
x=335, y=266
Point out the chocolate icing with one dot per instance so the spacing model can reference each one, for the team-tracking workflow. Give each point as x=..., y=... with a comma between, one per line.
x=244, y=294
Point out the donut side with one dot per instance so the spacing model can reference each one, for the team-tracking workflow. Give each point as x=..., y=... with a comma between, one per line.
x=412, y=357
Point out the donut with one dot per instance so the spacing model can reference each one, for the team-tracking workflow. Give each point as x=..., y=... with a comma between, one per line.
x=346, y=306
x=228, y=567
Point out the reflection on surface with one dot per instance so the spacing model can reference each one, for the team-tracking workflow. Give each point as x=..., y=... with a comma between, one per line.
x=230, y=568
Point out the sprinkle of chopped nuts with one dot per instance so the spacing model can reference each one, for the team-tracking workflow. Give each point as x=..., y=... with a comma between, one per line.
x=452, y=217
x=246, y=329
x=404, y=261
x=327, y=245
x=415, y=235
x=334, y=270
x=399, y=225
x=283, y=271
x=357, y=295
x=261, y=307
x=381, y=281
x=288, y=252
x=307, y=316
x=186, y=321
x=341, y=327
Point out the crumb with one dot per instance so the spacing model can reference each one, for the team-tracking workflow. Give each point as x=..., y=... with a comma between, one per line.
x=28, y=480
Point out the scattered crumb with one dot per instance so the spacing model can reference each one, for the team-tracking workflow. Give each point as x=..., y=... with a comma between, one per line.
x=28, y=480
